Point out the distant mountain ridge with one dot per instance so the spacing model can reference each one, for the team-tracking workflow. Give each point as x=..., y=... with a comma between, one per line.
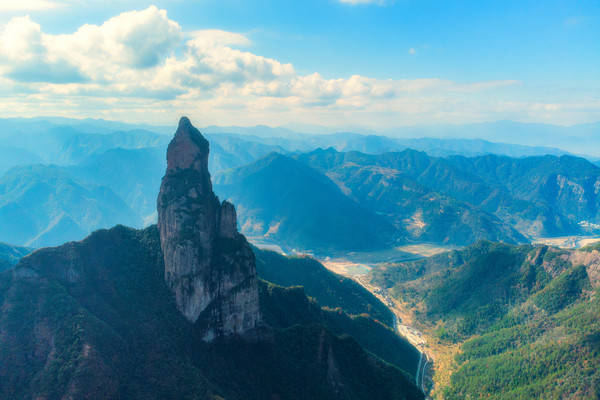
x=44, y=206
x=543, y=195
x=377, y=144
x=501, y=137
x=515, y=139
x=292, y=203
x=579, y=139
x=403, y=207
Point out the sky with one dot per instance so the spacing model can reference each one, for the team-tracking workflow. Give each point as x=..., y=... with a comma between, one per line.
x=360, y=64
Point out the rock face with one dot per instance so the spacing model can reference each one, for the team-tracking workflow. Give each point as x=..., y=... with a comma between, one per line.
x=209, y=266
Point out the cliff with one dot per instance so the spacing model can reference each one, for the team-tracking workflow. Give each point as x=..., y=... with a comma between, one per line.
x=209, y=266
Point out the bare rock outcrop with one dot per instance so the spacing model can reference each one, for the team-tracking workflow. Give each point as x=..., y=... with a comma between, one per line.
x=209, y=266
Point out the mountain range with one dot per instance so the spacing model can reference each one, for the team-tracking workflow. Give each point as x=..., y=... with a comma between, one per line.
x=377, y=144
x=43, y=206
x=410, y=196
x=519, y=139
x=458, y=197
x=545, y=195
x=106, y=317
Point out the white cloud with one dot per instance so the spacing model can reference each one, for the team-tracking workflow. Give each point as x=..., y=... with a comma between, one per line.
x=24, y=55
x=217, y=38
x=142, y=66
x=412, y=51
x=135, y=39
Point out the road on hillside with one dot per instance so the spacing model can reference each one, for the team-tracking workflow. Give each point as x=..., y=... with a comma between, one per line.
x=423, y=360
x=410, y=334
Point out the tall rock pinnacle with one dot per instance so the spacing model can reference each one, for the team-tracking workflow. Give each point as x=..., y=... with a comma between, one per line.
x=209, y=266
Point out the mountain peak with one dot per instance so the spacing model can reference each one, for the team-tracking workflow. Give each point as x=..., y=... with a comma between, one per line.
x=209, y=266
x=188, y=149
x=184, y=122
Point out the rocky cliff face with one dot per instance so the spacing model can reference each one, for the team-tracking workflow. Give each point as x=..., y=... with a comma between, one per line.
x=209, y=266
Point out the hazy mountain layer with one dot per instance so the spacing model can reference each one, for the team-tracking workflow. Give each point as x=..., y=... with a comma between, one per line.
x=13, y=156
x=377, y=144
x=409, y=196
x=293, y=204
x=547, y=196
x=133, y=174
x=44, y=206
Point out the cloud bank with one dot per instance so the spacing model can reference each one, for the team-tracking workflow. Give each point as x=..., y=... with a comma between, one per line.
x=142, y=66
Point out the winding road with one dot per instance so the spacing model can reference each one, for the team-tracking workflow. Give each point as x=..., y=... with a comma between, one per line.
x=421, y=368
x=423, y=360
x=407, y=332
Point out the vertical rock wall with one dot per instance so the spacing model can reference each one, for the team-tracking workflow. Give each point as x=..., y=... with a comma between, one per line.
x=209, y=266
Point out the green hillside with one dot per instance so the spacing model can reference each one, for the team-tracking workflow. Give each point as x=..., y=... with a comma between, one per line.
x=94, y=319
x=526, y=318
x=348, y=307
x=327, y=288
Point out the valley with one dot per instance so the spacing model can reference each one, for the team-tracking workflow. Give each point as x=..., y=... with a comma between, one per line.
x=434, y=358
x=441, y=349
x=439, y=352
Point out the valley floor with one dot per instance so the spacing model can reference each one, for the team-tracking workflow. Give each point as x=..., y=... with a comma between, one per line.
x=435, y=357
x=568, y=242
x=438, y=360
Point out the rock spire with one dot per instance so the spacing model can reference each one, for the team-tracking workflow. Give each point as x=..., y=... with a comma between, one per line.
x=209, y=266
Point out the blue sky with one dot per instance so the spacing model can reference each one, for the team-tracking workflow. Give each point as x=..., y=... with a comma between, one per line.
x=362, y=63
